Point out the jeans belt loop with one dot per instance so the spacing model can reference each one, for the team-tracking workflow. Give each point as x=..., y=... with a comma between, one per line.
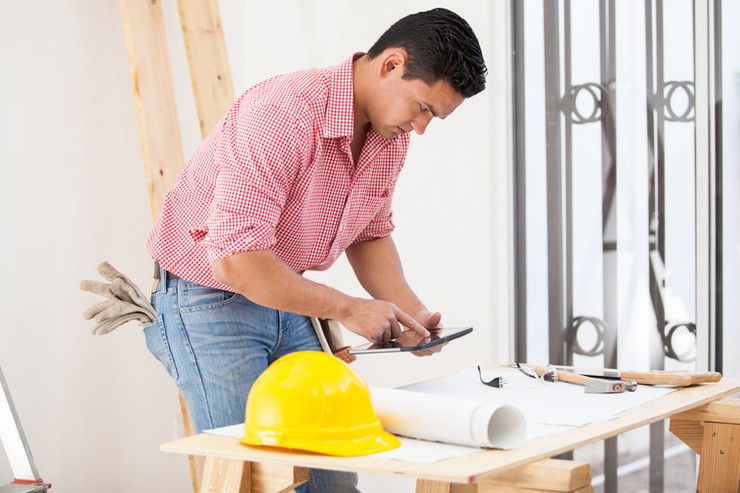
x=161, y=274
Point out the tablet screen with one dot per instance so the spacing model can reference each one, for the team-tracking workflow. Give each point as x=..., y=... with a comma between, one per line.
x=412, y=341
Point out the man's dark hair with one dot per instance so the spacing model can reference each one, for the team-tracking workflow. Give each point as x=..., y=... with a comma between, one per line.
x=440, y=45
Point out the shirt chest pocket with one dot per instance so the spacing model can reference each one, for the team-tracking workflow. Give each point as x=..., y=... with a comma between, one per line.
x=370, y=208
x=355, y=219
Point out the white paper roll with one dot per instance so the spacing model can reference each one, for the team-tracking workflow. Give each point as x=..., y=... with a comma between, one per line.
x=443, y=418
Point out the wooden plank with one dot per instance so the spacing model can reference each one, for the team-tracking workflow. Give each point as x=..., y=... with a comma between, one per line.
x=213, y=89
x=159, y=128
x=153, y=88
x=689, y=431
x=270, y=478
x=476, y=466
x=491, y=488
x=463, y=488
x=719, y=467
x=426, y=486
x=208, y=60
x=545, y=475
x=221, y=475
x=301, y=474
x=722, y=411
x=689, y=425
x=196, y=462
x=143, y=26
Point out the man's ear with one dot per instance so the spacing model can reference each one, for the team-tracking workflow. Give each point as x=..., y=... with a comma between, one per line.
x=393, y=62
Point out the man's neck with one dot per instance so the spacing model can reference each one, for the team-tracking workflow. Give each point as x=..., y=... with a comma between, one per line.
x=360, y=76
x=361, y=71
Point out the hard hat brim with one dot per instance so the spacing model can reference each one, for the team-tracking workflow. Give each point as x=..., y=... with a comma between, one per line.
x=370, y=444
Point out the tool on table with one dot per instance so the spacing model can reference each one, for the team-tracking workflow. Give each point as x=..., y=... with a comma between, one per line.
x=496, y=382
x=591, y=385
x=656, y=377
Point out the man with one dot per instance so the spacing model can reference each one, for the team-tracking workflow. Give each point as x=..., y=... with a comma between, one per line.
x=301, y=169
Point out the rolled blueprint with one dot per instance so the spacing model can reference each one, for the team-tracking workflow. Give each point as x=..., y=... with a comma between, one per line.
x=448, y=419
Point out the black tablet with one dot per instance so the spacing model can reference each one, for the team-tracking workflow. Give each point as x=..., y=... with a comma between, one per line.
x=412, y=341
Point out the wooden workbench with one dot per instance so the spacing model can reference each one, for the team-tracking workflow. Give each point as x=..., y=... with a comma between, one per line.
x=231, y=466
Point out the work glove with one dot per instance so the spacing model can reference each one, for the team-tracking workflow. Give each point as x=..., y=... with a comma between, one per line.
x=125, y=301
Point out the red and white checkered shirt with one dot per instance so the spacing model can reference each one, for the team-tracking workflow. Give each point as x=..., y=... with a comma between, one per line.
x=277, y=173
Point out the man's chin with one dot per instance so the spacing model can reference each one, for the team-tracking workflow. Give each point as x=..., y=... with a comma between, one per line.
x=391, y=133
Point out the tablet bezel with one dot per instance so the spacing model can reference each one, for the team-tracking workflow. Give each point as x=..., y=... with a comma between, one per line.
x=450, y=334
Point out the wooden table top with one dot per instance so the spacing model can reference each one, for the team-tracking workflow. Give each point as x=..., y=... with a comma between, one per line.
x=475, y=466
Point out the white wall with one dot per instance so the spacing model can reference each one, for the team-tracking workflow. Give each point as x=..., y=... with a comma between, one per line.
x=95, y=409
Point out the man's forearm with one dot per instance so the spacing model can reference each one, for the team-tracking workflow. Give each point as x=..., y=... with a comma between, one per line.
x=268, y=281
x=377, y=265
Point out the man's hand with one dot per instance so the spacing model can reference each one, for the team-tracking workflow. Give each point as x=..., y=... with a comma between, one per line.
x=428, y=319
x=379, y=321
x=266, y=280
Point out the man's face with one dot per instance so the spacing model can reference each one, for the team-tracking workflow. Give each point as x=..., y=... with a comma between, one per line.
x=403, y=105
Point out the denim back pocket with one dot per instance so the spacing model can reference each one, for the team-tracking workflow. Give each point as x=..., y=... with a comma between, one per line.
x=159, y=346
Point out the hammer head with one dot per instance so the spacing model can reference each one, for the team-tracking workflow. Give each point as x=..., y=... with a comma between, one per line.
x=596, y=386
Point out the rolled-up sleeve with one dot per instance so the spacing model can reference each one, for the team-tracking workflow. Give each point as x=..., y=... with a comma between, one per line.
x=257, y=165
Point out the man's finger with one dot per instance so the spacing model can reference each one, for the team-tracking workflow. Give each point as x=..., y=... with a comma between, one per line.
x=395, y=330
x=412, y=324
x=434, y=320
x=385, y=335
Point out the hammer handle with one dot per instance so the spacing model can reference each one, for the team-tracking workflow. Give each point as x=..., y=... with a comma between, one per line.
x=678, y=378
x=565, y=376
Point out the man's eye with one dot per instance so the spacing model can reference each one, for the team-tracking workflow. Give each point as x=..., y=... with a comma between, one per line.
x=423, y=108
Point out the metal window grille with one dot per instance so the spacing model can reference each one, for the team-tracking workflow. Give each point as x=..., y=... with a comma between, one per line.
x=567, y=104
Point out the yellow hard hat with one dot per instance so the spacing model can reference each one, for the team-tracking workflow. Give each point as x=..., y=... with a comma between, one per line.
x=311, y=400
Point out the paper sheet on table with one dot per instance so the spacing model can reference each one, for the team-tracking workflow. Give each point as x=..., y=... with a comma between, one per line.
x=547, y=407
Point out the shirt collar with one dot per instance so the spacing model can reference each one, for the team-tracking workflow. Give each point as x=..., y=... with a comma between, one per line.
x=340, y=116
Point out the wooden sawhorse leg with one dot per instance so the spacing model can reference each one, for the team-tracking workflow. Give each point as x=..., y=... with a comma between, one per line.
x=238, y=476
x=550, y=475
x=713, y=432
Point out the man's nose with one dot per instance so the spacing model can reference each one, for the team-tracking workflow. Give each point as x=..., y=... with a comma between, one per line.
x=420, y=123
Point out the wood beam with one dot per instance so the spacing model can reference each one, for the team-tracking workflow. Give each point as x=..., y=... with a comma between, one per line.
x=154, y=95
x=221, y=475
x=713, y=431
x=207, y=59
x=545, y=476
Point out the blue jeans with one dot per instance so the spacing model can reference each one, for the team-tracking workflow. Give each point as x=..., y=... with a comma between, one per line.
x=215, y=344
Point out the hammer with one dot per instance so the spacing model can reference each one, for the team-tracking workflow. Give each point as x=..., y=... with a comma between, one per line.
x=592, y=385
